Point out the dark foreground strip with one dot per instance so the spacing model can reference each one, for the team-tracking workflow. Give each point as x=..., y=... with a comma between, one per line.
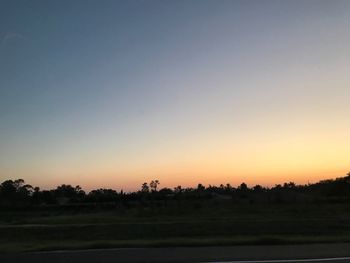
x=286, y=260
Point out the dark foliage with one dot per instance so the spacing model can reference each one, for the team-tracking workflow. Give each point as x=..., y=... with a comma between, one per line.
x=17, y=193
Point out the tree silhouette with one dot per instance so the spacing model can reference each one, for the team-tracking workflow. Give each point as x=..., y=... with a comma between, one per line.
x=178, y=189
x=18, y=193
x=144, y=188
x=68, y=193
x=154, y=184
x=200, y=187
x=243, y=187
x=15, y=191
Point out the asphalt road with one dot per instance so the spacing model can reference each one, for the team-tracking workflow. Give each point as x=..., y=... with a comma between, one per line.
x=333, y=253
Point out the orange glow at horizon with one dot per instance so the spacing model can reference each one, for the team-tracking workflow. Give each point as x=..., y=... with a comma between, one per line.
x=269, y=161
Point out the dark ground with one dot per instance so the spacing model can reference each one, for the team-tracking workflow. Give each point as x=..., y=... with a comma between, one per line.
x=192, y=224
x=288, y=253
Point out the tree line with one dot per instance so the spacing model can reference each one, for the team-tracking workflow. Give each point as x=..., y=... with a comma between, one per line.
x=17, y=192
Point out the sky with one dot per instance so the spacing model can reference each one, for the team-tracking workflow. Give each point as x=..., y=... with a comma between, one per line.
x=116, y=93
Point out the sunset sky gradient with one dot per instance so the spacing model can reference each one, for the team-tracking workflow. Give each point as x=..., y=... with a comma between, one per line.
x=116, y=93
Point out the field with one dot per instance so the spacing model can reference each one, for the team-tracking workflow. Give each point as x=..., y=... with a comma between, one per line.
x=190, y=224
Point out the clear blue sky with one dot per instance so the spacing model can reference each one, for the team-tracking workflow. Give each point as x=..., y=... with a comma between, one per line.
x=114, y=93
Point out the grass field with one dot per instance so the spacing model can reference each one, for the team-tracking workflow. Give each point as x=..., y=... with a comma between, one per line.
x=209, y=223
